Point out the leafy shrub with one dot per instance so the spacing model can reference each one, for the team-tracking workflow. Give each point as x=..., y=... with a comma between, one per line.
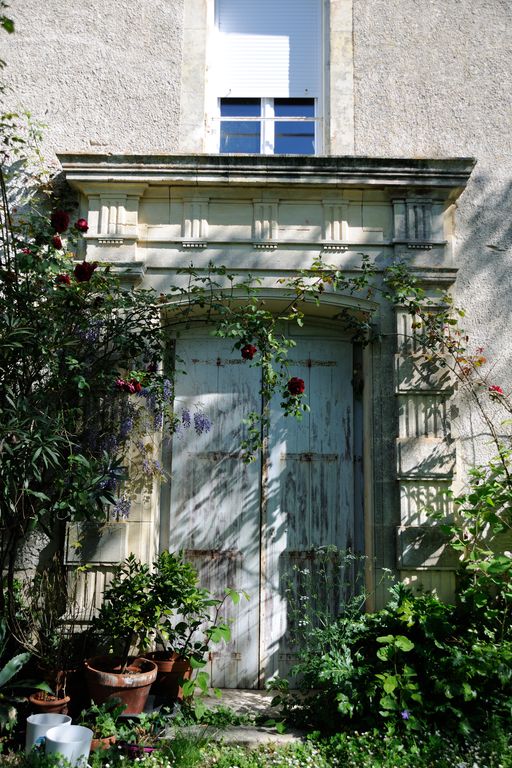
x=417, y=663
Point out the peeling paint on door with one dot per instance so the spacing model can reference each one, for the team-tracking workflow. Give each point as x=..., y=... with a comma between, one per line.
x=254, y=527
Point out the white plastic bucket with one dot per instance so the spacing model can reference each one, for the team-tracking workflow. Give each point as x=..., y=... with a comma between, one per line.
x=37, y=725
x=71, y=741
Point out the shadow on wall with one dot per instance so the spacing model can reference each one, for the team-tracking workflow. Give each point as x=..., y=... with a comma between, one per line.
x=483, y=289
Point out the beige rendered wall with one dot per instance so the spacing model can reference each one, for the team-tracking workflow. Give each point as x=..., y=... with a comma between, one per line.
x=103, y=75
x=433, y=78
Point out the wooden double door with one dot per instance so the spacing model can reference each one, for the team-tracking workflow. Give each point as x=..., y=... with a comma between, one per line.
x=256, y=526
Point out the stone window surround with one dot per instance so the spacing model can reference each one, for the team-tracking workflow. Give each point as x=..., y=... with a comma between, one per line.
x=338, y=88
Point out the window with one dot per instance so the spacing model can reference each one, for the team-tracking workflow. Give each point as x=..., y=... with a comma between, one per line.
x=267, y=126
x=266, y=94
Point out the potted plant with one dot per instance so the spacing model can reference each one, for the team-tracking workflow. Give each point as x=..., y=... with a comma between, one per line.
x=126, y=619
x=142, y=735
x=188, y=622
x=102, y=719
x=48, y=625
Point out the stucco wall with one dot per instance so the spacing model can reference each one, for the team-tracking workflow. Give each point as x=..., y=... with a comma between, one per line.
x=433, y=78
x=103, y=75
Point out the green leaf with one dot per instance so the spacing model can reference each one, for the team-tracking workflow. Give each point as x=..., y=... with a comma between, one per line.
x=13, y=667
x=404, y=643
x=7, y=24
x=197, y=663
x=390, y=683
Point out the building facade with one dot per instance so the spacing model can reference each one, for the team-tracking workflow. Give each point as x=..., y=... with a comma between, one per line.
x=262, y=136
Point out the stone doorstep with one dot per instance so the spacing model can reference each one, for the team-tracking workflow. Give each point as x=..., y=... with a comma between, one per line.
x=244, y=702
x=245, y=735
x=249, y=701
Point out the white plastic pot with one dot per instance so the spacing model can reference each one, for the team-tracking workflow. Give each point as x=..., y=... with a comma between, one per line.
x=70, y=741
x=38, y=725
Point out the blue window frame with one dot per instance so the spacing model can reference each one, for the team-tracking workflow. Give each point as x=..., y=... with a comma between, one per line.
x=267, y=126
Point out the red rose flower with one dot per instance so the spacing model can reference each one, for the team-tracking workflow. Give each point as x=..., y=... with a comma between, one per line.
x=495, y=389
x=59, y=221
x=82, y=225
x=57, y=242
x=296, y=386
x=26, y=251
x=248, y=351
x=83, y=272
x=137, y=386
x=63, y=280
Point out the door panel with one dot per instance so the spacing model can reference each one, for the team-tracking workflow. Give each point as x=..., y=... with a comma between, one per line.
x=257, y=527
x=215, y=502
x=309, y=502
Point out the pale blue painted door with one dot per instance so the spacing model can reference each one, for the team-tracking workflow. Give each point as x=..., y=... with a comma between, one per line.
x=247, y=525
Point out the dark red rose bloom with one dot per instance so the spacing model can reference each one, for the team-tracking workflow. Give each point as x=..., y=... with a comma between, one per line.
x=57, y=242
x=497, y=390
x=296, y=386
x=82, y=225
x=152, y=368
x=59, y=221
x=137, y=386
x=248, y=351
x=63, y=280
x=83, y=272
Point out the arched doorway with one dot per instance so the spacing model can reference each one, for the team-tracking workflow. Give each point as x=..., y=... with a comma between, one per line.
x=251, y=526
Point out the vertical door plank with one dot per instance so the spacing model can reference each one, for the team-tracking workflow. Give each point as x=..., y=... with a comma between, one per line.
x=310, y=493
x=215, y=499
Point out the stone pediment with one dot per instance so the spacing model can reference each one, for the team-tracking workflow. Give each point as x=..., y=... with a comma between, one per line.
x=154, y=210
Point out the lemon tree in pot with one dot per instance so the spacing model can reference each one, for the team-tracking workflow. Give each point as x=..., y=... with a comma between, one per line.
x=189, y=621
x=126, y=620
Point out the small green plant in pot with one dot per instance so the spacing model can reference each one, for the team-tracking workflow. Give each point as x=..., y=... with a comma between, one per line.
x=142, y=735
x=102, y=719
x=126, y=620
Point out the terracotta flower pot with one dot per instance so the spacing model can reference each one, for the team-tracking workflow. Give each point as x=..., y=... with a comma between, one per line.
x=106, y=681
x=45, y=704
x=171, y=670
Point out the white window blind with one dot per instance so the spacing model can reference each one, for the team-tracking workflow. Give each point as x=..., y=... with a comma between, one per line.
x=268, y=48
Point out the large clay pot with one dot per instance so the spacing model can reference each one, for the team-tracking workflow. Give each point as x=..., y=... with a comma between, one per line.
x=106, y=681
x=171, y=671
x=45, y=704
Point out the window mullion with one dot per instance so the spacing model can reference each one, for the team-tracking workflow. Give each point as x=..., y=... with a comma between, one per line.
x=267, y=127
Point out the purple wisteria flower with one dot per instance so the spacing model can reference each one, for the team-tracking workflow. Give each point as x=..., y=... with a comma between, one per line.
x=92, y=333
x=122, y=508
x=126, y=427
x=158, y=420
x=150, y=398
x=186, y=419
x=167, y=389
x=202, y=423
x=108, y=483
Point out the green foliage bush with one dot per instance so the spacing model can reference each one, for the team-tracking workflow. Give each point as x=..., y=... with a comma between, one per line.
x=416, y=664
